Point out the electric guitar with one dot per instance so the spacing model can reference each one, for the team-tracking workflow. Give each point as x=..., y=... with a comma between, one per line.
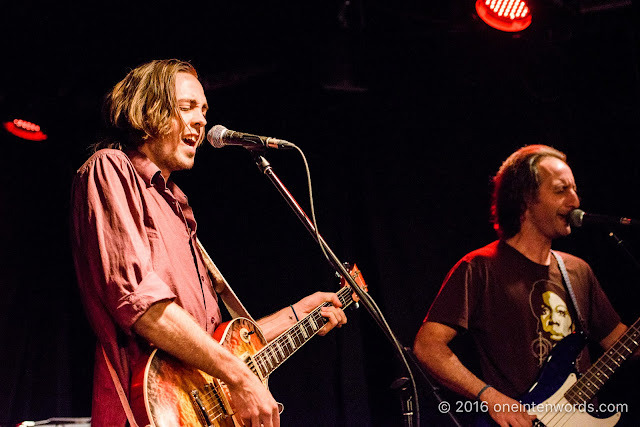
x=559, y=397
x=171, y=393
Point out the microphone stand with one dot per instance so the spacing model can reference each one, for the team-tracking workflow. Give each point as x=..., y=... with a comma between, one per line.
x=433, y=387
x=620, y=244
x=265, y=167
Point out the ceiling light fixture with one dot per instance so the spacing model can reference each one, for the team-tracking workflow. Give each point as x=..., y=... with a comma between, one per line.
x=504, y=15
x=25, y=130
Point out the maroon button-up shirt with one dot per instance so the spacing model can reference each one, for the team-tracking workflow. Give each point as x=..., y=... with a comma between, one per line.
x=134, y=244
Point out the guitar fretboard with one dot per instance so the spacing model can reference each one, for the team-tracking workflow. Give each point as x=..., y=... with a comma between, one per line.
x=280, y=349
x=588, y=385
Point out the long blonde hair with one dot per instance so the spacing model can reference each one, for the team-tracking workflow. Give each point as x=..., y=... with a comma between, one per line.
x=142, y=105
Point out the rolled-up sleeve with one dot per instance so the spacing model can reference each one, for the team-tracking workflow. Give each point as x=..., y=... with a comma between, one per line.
x=111, y=241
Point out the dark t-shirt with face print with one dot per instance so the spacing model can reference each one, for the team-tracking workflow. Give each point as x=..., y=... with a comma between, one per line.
x=516, y=310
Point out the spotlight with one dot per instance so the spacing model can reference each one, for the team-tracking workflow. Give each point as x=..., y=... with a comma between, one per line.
x=504, y=15
x=25, y=130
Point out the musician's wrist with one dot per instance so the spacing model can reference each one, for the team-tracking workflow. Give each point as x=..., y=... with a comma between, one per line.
x=241, y=377
x=491, y=396
x=294, y=312
x=482, y=391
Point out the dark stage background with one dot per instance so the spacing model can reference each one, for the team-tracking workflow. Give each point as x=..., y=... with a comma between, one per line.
x=404, y=109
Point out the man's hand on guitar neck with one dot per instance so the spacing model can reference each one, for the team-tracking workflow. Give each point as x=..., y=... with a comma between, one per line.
x=333, y=313
x=278, y=322
x=506, y=411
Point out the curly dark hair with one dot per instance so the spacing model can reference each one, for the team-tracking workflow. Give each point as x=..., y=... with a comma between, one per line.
x=515, y=185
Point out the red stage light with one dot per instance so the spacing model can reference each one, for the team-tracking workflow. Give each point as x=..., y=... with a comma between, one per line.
x=25, y=130
x=504, y=15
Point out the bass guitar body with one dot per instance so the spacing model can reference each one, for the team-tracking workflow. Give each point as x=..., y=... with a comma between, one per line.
x=546, y=398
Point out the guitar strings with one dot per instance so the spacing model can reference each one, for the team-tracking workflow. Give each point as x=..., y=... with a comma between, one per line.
x=215, y=408
x=582, y=392
x=213, y=396
x=267, y=358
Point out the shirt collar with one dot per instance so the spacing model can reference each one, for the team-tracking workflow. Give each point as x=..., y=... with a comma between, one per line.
x=152, y=175
x=146, y=168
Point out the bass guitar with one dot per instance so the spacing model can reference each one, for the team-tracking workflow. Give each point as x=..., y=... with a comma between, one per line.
x=171, y=393
x=560, y=397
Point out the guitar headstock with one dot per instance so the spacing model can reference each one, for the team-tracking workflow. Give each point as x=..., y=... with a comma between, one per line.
x=356, y=275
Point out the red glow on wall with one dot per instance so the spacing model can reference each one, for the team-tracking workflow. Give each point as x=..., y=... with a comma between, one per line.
x=504, y=15
x=25, y=130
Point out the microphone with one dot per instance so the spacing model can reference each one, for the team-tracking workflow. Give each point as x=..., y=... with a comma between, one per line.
x=578, y=218
x=219, y=136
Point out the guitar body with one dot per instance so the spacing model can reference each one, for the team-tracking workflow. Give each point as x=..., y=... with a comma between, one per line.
x=555, y=412
x=558, y=367
x=556, y=377
x=171, y=393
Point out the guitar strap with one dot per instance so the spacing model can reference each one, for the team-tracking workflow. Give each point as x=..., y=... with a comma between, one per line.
x=119, y=389
x=567, y=284
x=222, y=287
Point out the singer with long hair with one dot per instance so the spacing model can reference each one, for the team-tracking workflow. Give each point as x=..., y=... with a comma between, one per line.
x=144, y=282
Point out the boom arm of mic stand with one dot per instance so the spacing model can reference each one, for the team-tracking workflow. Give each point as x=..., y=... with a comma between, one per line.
x=620, y=244
x=265, y=167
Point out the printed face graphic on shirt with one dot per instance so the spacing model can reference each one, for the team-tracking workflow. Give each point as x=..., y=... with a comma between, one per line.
x=552, y=315
x=555, y=316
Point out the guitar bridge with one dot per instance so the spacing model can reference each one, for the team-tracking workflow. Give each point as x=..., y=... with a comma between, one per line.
x=200, y=409
x=214, y=391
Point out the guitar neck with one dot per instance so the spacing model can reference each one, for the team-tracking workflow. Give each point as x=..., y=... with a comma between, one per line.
x=280, y=349
x=589, y=384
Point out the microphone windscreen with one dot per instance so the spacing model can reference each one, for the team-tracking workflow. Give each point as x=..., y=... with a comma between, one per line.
x=575, y=218
x=214, y=136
